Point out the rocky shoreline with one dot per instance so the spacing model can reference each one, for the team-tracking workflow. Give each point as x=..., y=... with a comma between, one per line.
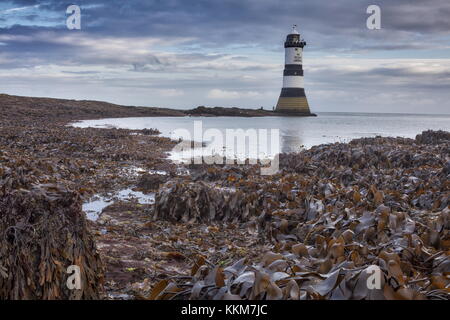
x=216, y=232
x=63, y=109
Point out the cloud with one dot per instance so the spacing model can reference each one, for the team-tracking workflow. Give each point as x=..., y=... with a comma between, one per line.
x=260, y=23
x=224, y=94
x=380, y=85
x=171, y=92
x=179, y=53
x=18, y=9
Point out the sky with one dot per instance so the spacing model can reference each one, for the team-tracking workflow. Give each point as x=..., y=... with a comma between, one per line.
x=182, y=54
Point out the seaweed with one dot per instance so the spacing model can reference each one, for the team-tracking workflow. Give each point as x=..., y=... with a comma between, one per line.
x=42, y=232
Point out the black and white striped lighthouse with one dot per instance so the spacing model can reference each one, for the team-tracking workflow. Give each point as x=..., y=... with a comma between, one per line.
x=292, y=98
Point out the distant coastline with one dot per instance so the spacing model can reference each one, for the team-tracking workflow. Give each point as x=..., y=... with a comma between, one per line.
x=64, y=109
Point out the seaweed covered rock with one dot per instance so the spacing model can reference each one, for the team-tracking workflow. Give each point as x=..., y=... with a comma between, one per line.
x=301, y=272
x=338, y=212
x=150, y=182
x=200, y=202
x=429, y=149
x=43, y=232
x=433, y=137
x=150, y=132
x=333, y=257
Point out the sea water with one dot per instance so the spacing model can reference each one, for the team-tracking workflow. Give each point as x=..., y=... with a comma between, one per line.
x=295, y=133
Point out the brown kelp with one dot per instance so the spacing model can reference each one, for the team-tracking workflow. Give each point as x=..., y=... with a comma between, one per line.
x=200, y=202
x=334, y=214
x=42, y=232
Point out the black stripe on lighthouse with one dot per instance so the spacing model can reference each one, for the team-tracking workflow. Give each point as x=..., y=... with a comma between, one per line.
x=293, y=70
x=292, y=92
x=293, y=73
x=293, y=67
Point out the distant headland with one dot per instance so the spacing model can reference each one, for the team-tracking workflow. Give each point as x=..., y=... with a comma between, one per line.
x=64, y=109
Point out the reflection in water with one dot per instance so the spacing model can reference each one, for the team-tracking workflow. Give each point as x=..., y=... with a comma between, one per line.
x=295, y=132
x=95, y=206
x=291, y=141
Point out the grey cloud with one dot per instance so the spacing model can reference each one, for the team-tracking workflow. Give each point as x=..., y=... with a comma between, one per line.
x=217, y=23
x=80, y=72
x=247, y=28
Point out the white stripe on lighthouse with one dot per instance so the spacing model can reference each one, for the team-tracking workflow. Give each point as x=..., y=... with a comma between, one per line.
x=294, y=56
x=293, y=82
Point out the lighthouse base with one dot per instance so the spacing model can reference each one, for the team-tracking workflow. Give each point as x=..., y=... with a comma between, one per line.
x=293, y=105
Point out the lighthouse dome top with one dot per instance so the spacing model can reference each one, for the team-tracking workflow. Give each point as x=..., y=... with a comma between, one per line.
x=293, y=39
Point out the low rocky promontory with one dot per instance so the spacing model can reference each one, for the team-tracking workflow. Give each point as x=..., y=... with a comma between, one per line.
x=16, y=107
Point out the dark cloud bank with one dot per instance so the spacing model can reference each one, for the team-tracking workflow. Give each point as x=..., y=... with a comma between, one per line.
x=234, y=46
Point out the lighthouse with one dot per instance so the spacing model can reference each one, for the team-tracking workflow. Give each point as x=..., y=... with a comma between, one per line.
x=292, y=99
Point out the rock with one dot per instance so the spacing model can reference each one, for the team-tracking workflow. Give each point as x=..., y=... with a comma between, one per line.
x=433, y=137
x=151, y=182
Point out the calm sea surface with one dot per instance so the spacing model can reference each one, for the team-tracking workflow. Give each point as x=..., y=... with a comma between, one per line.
x=295, y=132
